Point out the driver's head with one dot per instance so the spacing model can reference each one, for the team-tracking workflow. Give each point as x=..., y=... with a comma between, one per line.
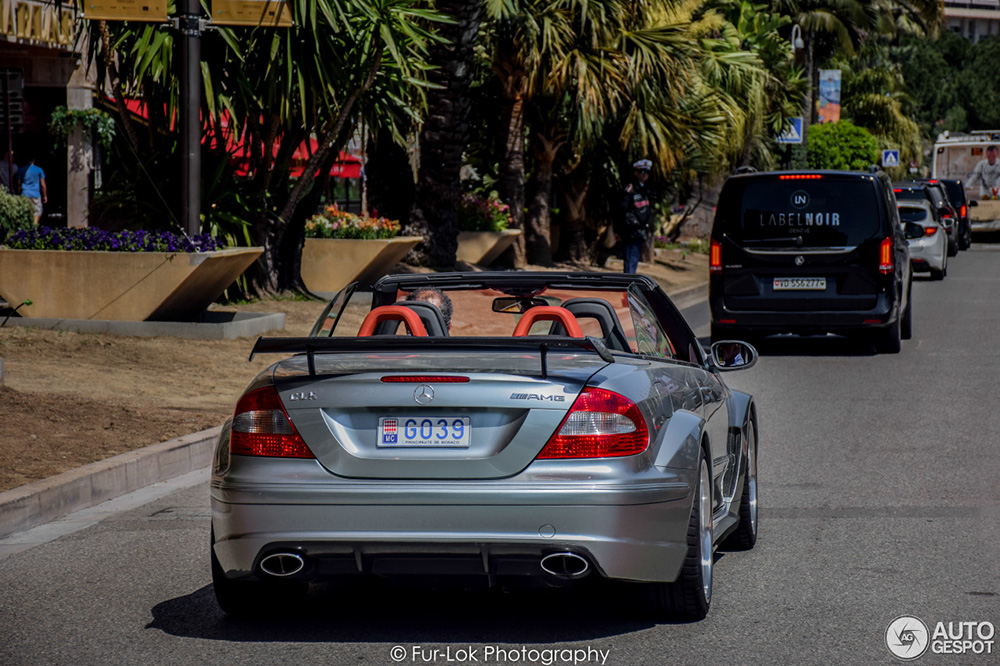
x=991, y=154
x=435, y=297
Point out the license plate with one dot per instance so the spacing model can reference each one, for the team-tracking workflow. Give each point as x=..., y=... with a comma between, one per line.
x=799, y=284
x=424, y=431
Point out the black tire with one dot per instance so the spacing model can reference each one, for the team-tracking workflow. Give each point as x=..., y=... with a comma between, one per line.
x=745, y=536
x=952, y=247
x=906, y=326
x=689, y=597
x=890, y=340
x=253, y=598
x=721, y=333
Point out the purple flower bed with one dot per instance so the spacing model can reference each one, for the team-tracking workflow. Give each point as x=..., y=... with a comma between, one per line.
x=87, y=238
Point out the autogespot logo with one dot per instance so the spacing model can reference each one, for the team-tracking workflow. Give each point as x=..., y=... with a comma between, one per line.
x=906, y=637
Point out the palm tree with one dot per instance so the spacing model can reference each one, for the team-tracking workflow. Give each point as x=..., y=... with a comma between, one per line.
x=444, y=135
x=268, y=90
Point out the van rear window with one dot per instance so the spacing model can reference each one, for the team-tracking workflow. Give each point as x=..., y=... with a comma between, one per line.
x=913, y=214
x=822, y=213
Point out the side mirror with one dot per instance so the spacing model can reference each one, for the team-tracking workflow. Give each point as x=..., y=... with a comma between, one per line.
x=732, y=355
x=913, y=230
x=973, y=202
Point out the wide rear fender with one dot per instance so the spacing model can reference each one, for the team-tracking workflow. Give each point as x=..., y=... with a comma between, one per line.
x=680, y=441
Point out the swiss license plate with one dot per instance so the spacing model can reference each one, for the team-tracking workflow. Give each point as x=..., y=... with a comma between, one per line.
x=799, y=284
x=424, y=431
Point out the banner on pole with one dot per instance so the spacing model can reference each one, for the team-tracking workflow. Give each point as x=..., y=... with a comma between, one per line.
x=125, y=10
x=829, y=95
x=266, y=13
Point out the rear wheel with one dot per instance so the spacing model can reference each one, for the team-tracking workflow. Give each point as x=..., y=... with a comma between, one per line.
x=745, y=536
x=890, y=340
x=906, y=327
x=689, y=597
x=952, y=247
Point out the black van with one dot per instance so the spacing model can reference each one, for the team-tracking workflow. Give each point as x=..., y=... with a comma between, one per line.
x=810, y=252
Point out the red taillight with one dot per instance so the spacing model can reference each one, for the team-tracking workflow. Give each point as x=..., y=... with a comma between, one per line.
x=885, y=263
x=261, y=427
x=930, y=231
x=600, y=424
x=715, y=258
x=424, y=379
x=801, y=176
x=964, y=211
x=897, y=190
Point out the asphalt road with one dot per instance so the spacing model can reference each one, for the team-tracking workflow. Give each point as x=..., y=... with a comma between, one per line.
x=879, y=498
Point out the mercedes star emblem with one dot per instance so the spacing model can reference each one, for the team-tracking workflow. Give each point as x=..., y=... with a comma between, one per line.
x=423, y=394
x=799, y=260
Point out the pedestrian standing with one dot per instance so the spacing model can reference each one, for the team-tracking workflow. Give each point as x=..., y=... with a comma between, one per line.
x=635, y=216
x=31, y=181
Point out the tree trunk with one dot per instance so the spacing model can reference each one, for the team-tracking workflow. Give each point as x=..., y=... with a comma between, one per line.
x=510, y=178
x=538, y=239
x=444, y=136
x=574, y=189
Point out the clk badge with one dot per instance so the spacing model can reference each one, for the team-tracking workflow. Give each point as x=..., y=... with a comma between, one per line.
x=799, y=260
x=423, y=394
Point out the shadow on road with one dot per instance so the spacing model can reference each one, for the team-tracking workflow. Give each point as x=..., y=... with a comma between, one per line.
x=411, y=615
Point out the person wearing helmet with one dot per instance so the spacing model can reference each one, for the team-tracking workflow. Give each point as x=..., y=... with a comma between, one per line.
x=635, y=216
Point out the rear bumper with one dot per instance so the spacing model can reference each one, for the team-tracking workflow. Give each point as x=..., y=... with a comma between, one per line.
x=885, y=312
x=629, y=532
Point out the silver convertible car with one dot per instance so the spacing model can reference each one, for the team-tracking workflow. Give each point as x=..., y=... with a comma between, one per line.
x=499, y=426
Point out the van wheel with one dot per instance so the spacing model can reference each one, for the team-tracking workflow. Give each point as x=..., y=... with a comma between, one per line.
x=890, y=340
x=906, y=328
x=721, y=333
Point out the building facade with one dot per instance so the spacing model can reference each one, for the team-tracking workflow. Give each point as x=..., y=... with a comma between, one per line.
x=973, y=19
x=42, y=66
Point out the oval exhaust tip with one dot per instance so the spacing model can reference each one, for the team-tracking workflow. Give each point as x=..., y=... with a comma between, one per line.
x=565, y=565
x=282, y=564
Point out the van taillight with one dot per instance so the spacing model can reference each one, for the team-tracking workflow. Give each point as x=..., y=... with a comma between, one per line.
x=964, y=212
x=600, y=424
x=261, y=427
x=885, y=263
x=930, y=231
x=715, y=258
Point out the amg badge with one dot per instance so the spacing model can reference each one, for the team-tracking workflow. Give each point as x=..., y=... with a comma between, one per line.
x=537, y=396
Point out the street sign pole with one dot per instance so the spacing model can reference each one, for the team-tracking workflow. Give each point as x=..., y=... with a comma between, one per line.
x=189, y=28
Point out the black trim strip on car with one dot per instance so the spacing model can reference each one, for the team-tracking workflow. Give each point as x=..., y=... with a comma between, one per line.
x=313, y=346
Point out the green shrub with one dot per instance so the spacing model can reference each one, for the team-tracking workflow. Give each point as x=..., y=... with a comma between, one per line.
x=841, y=146
x=16, y=212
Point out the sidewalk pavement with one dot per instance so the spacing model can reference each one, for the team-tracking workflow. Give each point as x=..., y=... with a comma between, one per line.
x=43, y=501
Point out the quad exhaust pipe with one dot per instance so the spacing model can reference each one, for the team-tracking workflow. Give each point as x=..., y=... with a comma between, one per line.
x=282, y=564
x=565, y=565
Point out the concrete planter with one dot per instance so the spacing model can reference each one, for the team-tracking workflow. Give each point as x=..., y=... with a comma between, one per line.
x=483, y=247
x=119, y=286
x=330, y=264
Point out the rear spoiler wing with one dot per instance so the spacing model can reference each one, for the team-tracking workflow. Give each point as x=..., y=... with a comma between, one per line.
x=312, y=346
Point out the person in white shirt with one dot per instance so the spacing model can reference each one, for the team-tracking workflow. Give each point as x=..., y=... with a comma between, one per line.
x=987, y=172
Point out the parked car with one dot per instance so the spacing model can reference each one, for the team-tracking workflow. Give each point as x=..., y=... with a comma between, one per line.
x=556, y=425
x=955, y=189
x=810, y=252
x=926, y=237
x=914, y=190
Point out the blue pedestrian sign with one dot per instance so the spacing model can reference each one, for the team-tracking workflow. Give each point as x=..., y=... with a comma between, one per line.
x=890, y=158
x=794, y=133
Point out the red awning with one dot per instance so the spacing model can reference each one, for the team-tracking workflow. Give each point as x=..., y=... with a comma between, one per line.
x=347, y=166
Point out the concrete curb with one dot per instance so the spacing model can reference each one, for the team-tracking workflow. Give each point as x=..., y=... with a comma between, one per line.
x=49, y=499
x=43, y=501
